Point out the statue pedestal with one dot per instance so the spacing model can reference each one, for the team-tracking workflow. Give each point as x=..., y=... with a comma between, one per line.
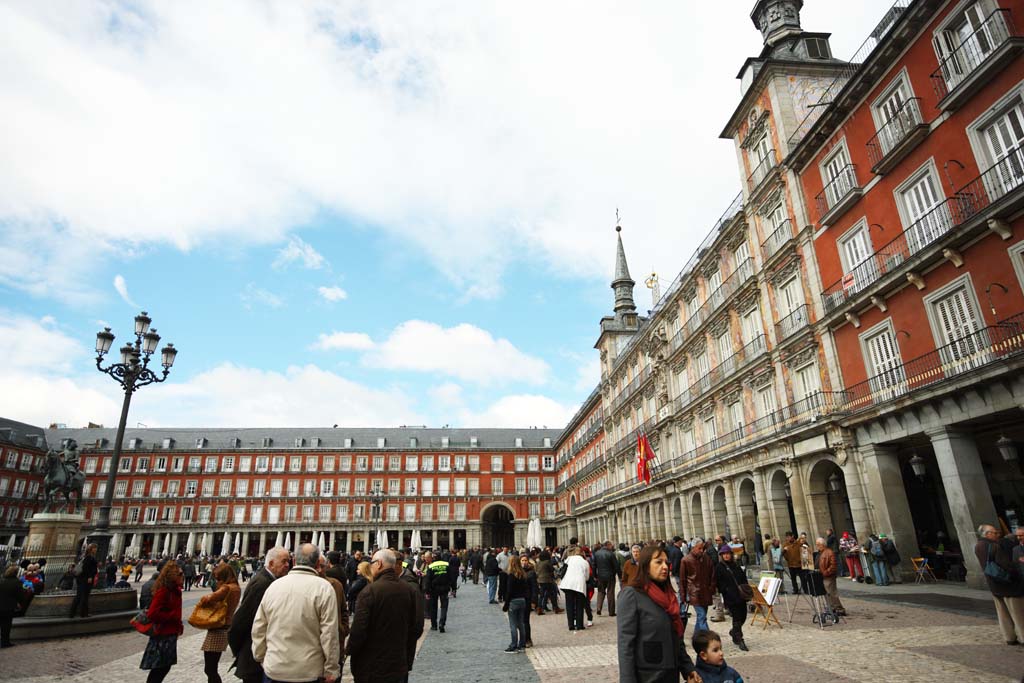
x=55, y=536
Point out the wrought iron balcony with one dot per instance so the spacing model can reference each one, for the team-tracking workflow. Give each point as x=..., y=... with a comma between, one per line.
x=971, y=352
x=775, y=241
x=979, y=56
x=897, y=137
x=838, y=195
x=798, y=319
x=761, y=171
x=990, y=187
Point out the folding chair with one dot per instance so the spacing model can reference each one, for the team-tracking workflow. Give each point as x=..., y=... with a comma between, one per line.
x=922, y=572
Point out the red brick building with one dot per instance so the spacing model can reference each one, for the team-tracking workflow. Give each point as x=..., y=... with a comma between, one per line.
x=457, y=487
x=22, y=447
x=913, y=172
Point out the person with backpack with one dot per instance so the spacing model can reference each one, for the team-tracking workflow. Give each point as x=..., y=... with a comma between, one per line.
x=491, y=571
x=876, y=558
x=1004, y=583
x=892, y=557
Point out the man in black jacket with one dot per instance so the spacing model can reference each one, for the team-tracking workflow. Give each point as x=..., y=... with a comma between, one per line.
x=674, y=551
x=240, y=633
x=84, y=582
x=491, y=572
x=607, y=566
x=335, y=570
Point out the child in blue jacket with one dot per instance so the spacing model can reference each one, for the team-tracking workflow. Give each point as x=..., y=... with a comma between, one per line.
x=711, y=660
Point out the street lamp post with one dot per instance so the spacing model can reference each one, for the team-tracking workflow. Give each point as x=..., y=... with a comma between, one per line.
x=132, y=373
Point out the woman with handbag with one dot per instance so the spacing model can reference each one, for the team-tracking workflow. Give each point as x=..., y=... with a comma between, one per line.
x=736, y=591
x=164, y=616
x=574, y=587
x=650, y=627
x=220, y=605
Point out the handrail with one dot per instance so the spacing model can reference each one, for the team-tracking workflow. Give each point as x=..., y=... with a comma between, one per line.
x=761, y=171
x=863, y=53
x=944, y=217
x=774, y=241
x=895, y=130
x=836, y=189
x=972, y=52
x=799, y=317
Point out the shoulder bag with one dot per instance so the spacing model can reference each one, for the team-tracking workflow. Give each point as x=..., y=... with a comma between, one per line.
x=210, y=616
x=993, y=570
x=745, y=591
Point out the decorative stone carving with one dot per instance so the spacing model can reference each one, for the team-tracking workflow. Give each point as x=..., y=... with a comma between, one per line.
x=680, y=365
x=707, y=410
x=711, y=265
x=803, y=356
x=686, y=423
x=748, y=300
x=1000, y=227
x=731, y=394
x=953, y=256
x=759, y=380
x=853, y=319
x=719, y=325
x=880, y=303
x=786, y=270
x=769, y=204
x=688, y=290
x=698, y=346
x=915, y=279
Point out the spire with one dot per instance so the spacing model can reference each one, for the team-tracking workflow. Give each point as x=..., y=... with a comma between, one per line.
x=622, y=284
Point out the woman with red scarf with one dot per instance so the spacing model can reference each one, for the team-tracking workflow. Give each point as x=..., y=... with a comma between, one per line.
x=650, y=627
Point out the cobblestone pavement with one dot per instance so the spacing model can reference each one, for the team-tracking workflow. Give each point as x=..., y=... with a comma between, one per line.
x=878, y=642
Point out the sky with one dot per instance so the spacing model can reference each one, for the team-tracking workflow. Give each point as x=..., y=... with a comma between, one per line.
x=353, y=213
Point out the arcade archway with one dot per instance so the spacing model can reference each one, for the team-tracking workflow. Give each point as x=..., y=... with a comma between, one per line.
x=496, y=526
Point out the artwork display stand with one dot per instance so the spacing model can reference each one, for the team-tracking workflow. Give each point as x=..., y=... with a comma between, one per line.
x=763, y=610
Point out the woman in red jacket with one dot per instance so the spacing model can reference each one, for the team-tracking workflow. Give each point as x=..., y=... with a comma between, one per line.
x=165, y=614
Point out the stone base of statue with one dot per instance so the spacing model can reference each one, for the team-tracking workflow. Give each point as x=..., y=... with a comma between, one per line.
x=57, y=536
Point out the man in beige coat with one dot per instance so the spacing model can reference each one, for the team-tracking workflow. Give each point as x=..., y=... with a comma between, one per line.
x=295, y=634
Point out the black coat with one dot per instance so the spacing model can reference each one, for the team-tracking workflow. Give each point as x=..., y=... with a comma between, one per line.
x=606, y=565
x=675, y=556
x=649, y=650
x=491, y=566
x=728, y=578
x=354, y=589
x=388, y=621
x=89, y=570
x=240, y=632
x=13, y=597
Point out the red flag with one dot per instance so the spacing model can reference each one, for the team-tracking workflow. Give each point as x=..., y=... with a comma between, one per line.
x=645, y=454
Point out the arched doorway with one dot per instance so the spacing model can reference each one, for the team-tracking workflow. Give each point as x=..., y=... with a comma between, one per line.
x=830, y=505
x=677, y=518
x=496, y=523
x=696, y=516
x=746, y=503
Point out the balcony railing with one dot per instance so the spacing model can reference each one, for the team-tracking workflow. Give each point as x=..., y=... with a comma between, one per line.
x=971, y=352
x=896, y=130
x=761, y=171
x=837, y=189
x=779, y=237
x=796, y=320
x=972, y=52
x=991, y=186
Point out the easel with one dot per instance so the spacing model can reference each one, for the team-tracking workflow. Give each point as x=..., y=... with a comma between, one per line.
x=762, y=608
x=815, y=597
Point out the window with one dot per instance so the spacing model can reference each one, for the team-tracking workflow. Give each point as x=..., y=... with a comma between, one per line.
x=735, y=412
x=883, y=362
x=392, y=513
x=817, y=48
x=204, y=515
x=427, y=487
x=410, y=487
x=346, y=463
x=360, y=487
x=124, y=466
x=245, y=463
x=496, y=463
x=1003, y=140
x=394, y=463
x=191, y=486
x=239, y=517
x=178, y=464
x=378, y=463
x=519, y=442
x=242, y=488
x=161, y=464
x=725, y=351
x=714, y=289
x=967, y=40
x=855, y=249
x=411, y=463
x=460, y=487
x=151, y=513
x=532, y=463
x=520, y=486
x=548, y=462
x=328, y=463
x=120, y=488
x=327, y=487
x=155, y=489
x=142, y=465
x=358, y=512
x=311, y=463
x=279, y=463
x=362, y=463
x=291, y=513
x=394, y=486
x=549, y=509
x=474, y=463
x=426, y=512
x=295, y=463
x=442, y=512
x=381, y=442
x=262, y=463
x=838, y=176
x=208, y=487
x=460, y=511
x=409, y=513
x=185, y=515
x=710, y=429
x=443, y=487
x=807, y=382
x=474, y=487
x=956, y=323
x=534, y=485
x=274, y=514
x=222, y=514
x=293, y=487
x=275, y=488
x=444, y=463
x=534, y=509
x=790, y=296
x=342, y=512
x=259, y=488
x=90, y=465
x=307, y=513
x=766, y=401
x=428, y=463
x=917, y=198
x=549, y=485
x=309, y=487
x=5, y=485
x=256, y=514
x=520, y=463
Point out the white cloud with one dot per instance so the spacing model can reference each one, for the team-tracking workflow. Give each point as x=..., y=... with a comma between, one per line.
x=297, y=251
x=588, y=374
x=254, y=295
x=35, y=344
x=338, y=341
x=521, y=410
x=464, y=351
x=122, y=289
x=446, y=394
x=333, y=293
x=439, y=126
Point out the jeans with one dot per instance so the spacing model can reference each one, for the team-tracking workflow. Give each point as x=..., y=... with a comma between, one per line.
x=435, y=618
x=606, y=587
x=702, y=618
x=574, y=609
x=492, y=587
x=517, y=623
x=880, y=570
x=81, y=602
x=526, y=623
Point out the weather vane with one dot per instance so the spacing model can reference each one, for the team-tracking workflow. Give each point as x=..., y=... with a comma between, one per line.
x=618, y=220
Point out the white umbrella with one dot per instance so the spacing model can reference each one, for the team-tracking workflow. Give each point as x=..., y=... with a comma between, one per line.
x=237, y=549
x=415, y=542
x=225, y=546
x=202, y=544
x=115, y=540
x=279, y=541
x=320, y=542
x=167, y=544
x=12, y=539
x=382, y=539
x=135, y=545
x=190, y=544
x=288, y=541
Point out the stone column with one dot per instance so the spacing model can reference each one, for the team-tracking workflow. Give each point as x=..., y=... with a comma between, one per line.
x=855, y=493
x=732, y=509
x=684, y=517
x=967, y=492
x=174, y=543
x=263, y=542
x=157, y=545
x=707, y=512
x=764, y=519
x=889, y=500
x=796, y=488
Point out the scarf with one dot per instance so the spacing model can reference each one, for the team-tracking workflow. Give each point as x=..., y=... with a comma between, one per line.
x=665, y=599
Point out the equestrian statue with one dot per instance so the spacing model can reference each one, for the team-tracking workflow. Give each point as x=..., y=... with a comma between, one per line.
x=62, y=475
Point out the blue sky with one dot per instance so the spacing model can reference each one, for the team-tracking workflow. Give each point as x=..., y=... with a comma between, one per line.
x=364, y=214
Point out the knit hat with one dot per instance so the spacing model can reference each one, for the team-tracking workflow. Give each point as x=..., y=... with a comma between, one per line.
x=724, y=549
x=882, y=536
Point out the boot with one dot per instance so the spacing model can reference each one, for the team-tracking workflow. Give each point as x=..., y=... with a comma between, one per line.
x=540, y=612
x=559, y=610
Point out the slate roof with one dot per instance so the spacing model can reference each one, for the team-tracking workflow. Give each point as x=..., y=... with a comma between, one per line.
x=283, y=439
x=21, y=434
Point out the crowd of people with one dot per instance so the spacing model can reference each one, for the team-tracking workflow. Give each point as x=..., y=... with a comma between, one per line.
x=304, y=614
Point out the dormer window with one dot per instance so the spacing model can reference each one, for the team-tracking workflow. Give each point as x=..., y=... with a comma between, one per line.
x=235, y=442
x=381, y=442
x=817, y=48
x=133, y=443
x=473, y=442
x=547, y=442
x=412, y=442
x=519, y=442
x=200, y=442
x=444, y=442
x=168, y=444
x=300, y=442
x=315, y=442
x=267, y=441
x=348, y=443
